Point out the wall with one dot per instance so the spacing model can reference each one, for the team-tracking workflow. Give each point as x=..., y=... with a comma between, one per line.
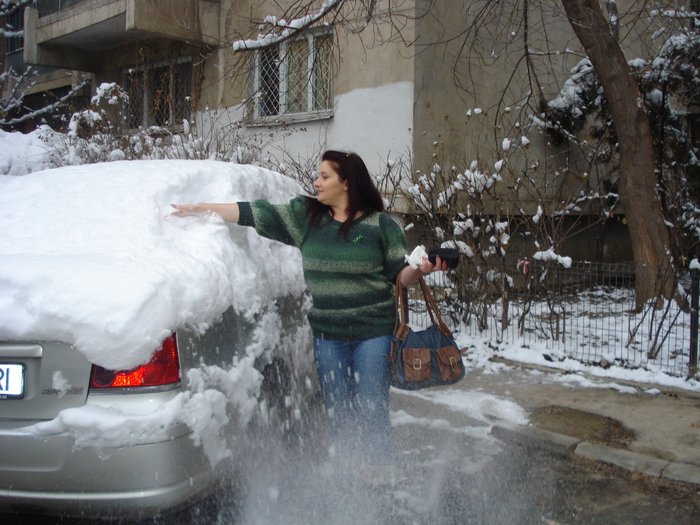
x=193, y=20
x=373, y=89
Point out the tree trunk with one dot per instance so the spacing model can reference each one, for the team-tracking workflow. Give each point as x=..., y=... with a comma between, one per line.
x=637, y=184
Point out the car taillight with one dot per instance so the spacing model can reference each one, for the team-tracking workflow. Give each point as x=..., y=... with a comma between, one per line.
x=162, y=369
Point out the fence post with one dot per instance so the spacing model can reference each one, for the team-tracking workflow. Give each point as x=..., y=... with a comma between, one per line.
x=694, y=295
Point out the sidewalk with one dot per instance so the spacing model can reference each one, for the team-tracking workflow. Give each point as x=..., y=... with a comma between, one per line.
x=661, y=427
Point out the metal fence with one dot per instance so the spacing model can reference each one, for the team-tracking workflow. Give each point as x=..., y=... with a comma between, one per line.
x=583, y=311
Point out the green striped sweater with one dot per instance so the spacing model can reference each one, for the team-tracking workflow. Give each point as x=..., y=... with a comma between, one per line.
x=350, y=278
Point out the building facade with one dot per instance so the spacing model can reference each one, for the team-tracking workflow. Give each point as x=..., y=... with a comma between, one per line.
x=176, y=59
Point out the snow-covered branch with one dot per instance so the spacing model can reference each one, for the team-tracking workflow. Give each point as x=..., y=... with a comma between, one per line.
x=11, y=33
x=46, y=109
x=8, y=7
x=551, y=255
x=282, y=30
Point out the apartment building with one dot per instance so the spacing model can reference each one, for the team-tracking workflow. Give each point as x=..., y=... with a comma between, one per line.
x=176, y=59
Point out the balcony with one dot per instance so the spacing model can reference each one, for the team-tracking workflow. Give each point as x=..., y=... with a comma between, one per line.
x=76, y=34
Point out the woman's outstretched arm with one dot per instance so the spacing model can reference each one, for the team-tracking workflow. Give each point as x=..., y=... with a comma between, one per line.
x=228, y=212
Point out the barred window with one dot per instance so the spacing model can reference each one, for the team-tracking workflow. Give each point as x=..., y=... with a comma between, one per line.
x=14, y=26
x=159, y=95
x=291, y=79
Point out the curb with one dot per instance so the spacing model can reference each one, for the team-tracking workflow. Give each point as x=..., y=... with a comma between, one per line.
x=566, y=445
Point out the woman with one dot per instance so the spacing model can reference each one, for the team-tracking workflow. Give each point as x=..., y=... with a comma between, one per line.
x=352, y=254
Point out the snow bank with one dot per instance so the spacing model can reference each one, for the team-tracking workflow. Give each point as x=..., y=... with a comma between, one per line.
x=481, y=351
x=91, y=255
x=21, y=154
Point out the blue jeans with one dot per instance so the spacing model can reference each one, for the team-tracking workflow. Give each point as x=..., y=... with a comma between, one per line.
x=354, y=377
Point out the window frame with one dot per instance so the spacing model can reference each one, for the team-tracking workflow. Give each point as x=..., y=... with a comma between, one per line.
x=283, y=58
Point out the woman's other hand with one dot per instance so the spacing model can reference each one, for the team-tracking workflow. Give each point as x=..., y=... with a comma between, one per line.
x=426, y=267
x=411, y=275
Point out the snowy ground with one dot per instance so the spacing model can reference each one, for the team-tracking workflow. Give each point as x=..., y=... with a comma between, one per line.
x=481, y=351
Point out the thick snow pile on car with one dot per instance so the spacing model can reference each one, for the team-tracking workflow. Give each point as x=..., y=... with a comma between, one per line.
x=90, y=255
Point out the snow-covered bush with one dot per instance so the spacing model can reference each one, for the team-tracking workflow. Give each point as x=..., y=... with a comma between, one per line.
x=101, y=133
x=494, y=215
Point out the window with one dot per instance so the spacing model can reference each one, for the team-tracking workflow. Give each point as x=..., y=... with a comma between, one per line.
x=14, y=25
x=159, y=95
x=291, y=80
x=694, y=8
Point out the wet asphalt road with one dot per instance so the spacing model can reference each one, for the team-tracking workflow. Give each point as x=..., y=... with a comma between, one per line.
x=447, y=472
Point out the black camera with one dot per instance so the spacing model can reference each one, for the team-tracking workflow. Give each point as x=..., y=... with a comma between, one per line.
x=448, y=255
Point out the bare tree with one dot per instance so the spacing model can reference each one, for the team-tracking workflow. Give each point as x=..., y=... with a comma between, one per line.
x=638, y=195
x=15, y=84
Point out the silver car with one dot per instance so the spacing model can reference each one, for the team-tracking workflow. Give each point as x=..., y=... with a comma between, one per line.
x=48, y=474
x=95, y=242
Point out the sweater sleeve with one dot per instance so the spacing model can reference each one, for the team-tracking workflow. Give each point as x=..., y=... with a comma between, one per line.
x=286, y=223
x=395, y=248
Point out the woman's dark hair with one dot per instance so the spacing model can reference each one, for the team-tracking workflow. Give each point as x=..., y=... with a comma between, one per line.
x=363, y=195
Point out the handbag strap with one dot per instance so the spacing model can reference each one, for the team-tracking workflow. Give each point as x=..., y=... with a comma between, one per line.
x=401, y=325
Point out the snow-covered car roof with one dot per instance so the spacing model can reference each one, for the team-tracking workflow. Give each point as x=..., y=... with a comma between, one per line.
x=91, y=255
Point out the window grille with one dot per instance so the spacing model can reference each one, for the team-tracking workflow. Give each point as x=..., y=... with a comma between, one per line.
x=293, y=78
x=14, y=22
x=159, y=95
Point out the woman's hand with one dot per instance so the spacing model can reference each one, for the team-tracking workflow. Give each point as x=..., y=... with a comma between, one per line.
x=427, y=267
x=410, y=275
x=183, y=210
x=228, y=212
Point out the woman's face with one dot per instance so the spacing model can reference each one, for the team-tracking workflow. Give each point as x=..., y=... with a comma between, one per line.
x=330, y=190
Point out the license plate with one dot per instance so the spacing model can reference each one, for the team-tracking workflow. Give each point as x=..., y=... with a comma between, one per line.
x=11, y=381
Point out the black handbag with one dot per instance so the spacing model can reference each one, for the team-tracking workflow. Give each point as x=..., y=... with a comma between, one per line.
x=426, y=358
